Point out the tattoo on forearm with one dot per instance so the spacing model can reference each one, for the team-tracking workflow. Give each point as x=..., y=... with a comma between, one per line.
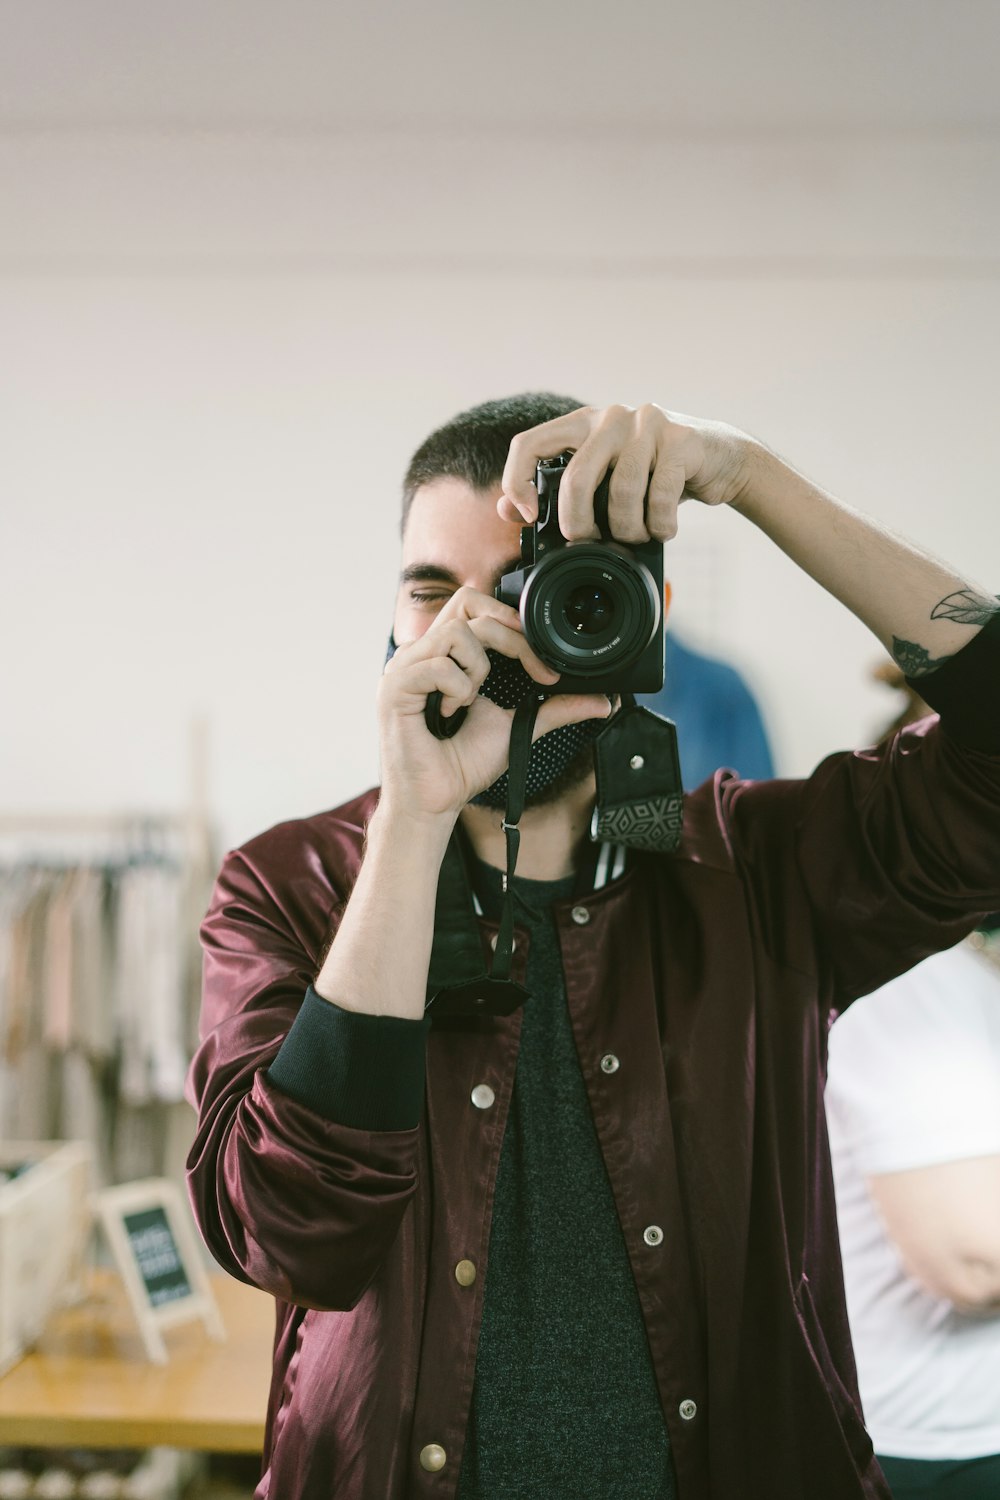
x=966, y=608
x=914, y=660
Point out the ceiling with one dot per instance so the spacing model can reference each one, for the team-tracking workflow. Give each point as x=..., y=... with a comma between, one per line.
x=520, y=66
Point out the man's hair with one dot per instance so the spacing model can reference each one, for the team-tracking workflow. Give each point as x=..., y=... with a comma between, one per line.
x=473, y=446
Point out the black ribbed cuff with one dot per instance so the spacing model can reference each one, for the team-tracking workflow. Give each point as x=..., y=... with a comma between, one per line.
x=965, y=691
x=352, y=1068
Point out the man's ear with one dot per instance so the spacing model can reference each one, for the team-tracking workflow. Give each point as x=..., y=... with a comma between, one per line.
x=668, y=594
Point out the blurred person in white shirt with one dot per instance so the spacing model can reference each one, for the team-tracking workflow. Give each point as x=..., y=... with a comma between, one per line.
x=913, y=1106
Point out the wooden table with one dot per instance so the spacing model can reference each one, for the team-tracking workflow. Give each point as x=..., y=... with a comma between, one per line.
x=89, y=1384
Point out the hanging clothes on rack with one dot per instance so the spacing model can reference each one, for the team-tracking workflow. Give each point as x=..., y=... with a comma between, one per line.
x=98, y=985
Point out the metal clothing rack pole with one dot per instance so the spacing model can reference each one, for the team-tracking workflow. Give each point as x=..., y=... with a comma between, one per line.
x=185, y=836
x=193, y=820
x=76, y=822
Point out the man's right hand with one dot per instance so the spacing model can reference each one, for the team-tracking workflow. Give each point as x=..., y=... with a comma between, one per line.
x=430, y=778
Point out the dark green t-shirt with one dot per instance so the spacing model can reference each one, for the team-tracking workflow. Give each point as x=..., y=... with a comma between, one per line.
x=565, y=1404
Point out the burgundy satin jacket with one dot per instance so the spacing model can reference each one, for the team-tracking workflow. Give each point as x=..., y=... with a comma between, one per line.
x=711, y=975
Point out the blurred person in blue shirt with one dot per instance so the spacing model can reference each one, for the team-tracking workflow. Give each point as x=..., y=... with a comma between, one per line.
x=717, y=717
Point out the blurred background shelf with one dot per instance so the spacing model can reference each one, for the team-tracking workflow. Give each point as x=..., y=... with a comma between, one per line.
x=88, y=1383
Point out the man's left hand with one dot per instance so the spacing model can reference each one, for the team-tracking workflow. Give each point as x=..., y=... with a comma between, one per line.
x=658, y=459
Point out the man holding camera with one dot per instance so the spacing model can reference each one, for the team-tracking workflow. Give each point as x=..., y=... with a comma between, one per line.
x=582, y=1243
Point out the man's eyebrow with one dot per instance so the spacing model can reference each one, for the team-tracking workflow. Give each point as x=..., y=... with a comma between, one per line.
x=427, y=573
x=434, y=573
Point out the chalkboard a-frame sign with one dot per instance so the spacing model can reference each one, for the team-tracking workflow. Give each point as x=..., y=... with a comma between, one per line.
x=150, y=1233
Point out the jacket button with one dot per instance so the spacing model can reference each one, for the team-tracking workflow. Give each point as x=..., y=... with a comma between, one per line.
x=653, y=1235
x=433, y=1458
x=483, y=1096
x=688, y=1409
x=465, y=1273
x=580, y=915
x=609, y=1063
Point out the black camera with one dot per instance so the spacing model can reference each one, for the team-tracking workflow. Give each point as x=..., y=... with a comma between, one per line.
x=591, y=610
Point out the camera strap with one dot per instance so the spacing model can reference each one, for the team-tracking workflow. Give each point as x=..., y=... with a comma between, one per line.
x=640, y=803
x=640, y=796
x=458, y=984
x=517, y=778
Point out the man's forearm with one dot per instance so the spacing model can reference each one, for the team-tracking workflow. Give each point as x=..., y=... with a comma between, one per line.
x=921, y=610
x=379, y=960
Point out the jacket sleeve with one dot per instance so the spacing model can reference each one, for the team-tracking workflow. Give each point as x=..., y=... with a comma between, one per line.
x=899, y=853
x=298, y=1189
x=887, y=855
x=880, y=858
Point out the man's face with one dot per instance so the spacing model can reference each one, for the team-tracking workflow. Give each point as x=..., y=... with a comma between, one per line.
x=453, y=537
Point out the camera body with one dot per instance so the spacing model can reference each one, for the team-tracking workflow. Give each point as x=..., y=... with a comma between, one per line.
x=591, y=610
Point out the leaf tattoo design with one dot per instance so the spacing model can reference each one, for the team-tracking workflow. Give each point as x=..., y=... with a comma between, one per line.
x=966, y=608
x=914, y=660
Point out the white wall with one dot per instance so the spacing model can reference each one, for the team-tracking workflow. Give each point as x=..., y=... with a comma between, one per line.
x=220, y=349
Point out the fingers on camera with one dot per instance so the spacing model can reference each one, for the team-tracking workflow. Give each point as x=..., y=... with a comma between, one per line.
x=627, y=495
x=584, y=473
x=544, y=441
x=513, y=643
x=665, y=490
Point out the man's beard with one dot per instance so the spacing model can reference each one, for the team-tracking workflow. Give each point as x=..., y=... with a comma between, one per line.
x=558, y=761
x=547, y=784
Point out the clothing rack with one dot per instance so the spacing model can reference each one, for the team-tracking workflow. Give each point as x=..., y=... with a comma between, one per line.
x=99, y=970
x=25, y=837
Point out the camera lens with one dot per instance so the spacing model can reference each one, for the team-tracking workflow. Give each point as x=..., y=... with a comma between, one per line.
x=589, y=610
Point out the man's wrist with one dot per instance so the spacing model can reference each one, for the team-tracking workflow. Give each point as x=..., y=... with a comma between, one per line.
x=762, y=474
x=395, y=818
x=377, y=962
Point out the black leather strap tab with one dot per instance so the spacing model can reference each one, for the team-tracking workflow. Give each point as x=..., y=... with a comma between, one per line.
x=640, y=796
x=480, y=997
